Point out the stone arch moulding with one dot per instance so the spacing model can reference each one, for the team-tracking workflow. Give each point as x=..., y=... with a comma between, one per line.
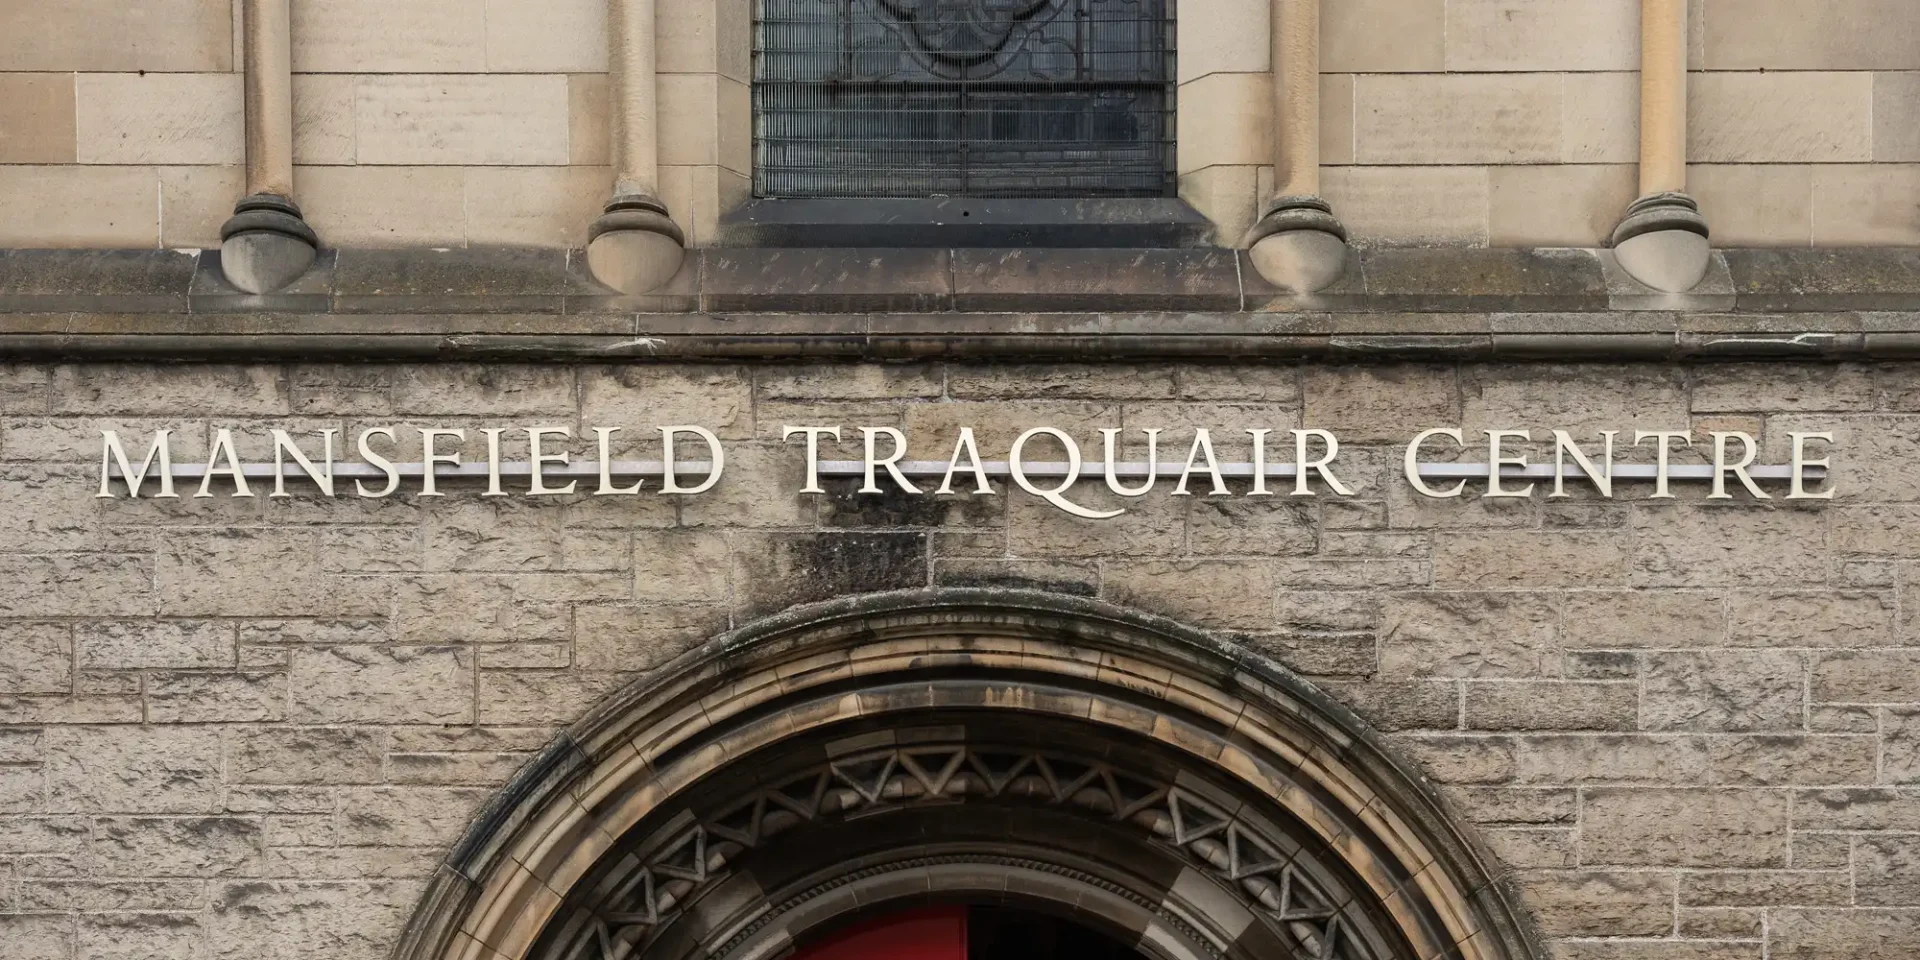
x=963, y=745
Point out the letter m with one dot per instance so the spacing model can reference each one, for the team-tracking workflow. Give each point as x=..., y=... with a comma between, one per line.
x=113, y=455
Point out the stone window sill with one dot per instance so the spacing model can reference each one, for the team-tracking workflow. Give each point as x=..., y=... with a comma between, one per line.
x=1151, y=223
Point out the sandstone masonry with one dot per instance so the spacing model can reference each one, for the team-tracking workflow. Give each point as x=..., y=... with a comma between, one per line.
x=249, y=728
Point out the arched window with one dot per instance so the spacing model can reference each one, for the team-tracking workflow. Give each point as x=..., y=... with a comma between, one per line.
x=963, y=98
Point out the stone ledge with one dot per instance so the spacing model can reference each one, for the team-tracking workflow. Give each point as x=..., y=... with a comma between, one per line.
x=1218, y=336
x=870, y=303
x=554, y=283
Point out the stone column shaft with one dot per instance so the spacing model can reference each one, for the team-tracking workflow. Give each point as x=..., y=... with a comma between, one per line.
x=268, y=60
x=634, y=246
x=1296, y=98
x=1661, y=241
x=1298, y=244
x=634, y=98
x=1663, y=96
x=267, y=244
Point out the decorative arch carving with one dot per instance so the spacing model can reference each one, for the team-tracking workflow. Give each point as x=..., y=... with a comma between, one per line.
x=1160, y=783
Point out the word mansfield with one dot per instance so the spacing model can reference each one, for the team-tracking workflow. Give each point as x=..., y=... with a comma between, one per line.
x=1314, y=468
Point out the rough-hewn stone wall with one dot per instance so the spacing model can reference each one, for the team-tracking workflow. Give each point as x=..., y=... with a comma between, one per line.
x=247, y=728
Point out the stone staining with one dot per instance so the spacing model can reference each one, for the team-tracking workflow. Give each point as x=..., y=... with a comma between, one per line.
x=267, y=245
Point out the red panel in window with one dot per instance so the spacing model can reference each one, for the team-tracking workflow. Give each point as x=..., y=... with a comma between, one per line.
x=939, y=933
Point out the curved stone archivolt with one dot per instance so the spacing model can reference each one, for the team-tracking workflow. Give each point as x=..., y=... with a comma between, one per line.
x=970, y=746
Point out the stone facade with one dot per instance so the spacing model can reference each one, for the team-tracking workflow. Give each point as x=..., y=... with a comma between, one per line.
x=252, y=728
x=456, y=122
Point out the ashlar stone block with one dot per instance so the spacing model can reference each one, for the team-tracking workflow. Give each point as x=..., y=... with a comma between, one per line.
x=1382, y=36
x=36, y=118
x=1484, y=635
x=76, y=206
x=1520, y=35
x=1601, y=902
x=547, y=36
x=456, y=119
x=133, y=769
x=373, y=36
x=294, y=919
x=1896, y=116
x=1789, y=35
x=1721, y=828
x=186, y=118
x=382, y=685
x=1866, y=204
x=35, y=658
x=1724, y=691
x=156, y=36
x=375, y=206
x=1780, y=117
x=1410, y=205
x=1457, y=119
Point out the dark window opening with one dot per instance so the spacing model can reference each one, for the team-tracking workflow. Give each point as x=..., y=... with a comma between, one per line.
x=964, y=933
x=963, y=98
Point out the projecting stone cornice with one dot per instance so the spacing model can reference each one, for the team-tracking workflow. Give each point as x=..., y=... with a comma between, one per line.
x=1088, y=304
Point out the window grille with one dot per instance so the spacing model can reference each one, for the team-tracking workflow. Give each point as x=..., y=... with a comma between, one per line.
x=963, y=98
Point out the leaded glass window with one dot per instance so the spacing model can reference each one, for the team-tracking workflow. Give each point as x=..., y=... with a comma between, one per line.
x=963, y=98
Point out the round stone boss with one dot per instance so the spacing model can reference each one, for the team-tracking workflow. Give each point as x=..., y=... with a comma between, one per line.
x=1163, y=786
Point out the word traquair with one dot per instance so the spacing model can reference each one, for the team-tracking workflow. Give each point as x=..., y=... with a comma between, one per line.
x=1302, y=463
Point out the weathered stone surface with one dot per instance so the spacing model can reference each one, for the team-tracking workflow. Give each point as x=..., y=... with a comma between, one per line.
x=1684, y=827
x=1457, y=119
x=1771, y=760
x=126, y=936
x=1638, y=619
x=303, y=755
x=219, y=574
x=1753, y=888
x=1810, y=619
x=1483, y=635
x=289, y=920
x=168, y=35
x=1782, y=35
x=176, y=847
x=253, y=695
x=1867, y=676
x=1456, y=759
x=130, y=645
x=409, y=817
x=347, y=684
x=1236, y=594
x=133, y=769
x=1840, y=934
x=1404, y=705
x=1529, y=558
x=640, y=401
x=173, y=118
x=1724, y=691
x=1887, y=871
x=37, y=936
x=781, y=570
x=640, y=637
x=1378, y=404
x=76, y=585
x=1596, y=902
x=1610, y=758
x=1525, y=705
x=1746, y=546
x=35, y=658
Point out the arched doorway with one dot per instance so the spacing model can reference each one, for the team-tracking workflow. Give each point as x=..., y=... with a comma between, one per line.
x=962, y=750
